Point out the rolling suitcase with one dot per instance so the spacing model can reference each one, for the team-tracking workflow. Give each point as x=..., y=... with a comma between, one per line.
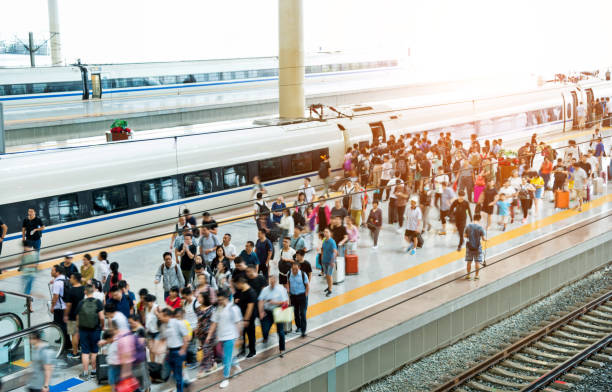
x=598, y=185
x=339, y=271
x=562, y=199
x=101, y=369
x=352, y=264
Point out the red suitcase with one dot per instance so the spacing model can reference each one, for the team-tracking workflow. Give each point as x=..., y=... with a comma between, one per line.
x=352, y=264
x=562, y=199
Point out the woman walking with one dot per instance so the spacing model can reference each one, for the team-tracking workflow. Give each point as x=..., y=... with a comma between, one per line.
x=204, y=311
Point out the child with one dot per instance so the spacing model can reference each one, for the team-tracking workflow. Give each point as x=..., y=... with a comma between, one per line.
x=174, y=301
x=503, y=209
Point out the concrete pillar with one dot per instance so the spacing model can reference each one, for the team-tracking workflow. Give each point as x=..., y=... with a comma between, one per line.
x=54, y=31
x=291, y=58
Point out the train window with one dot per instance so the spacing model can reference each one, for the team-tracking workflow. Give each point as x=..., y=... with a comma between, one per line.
x=316, y=69
x=197, y=183
x=234, y=176
x=159, y=190
x=334, y=67
x=252, y=73
x=13, y=215
x=167, y=79
x=325, y=67
x=240, y=75
x=268, y=73
x=109, y=200
x=186, y=79
x=270, y=169
x=226, y=75
x=18, y=89
x=213, y=76
x=201, y=77
x=301, y=163
x=38, y=88
x=63, y=209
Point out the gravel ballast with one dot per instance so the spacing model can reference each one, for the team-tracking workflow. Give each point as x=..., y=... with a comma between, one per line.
x=431, y=370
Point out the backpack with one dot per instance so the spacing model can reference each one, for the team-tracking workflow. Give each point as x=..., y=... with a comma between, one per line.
x=263, y=208
x=298, y=219
x=67, y=287
x=88, y=314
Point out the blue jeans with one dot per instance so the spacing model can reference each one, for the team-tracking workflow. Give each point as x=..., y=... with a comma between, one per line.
x=175, y=361
x=114, y=371
x=228, y=358
x=28, y=280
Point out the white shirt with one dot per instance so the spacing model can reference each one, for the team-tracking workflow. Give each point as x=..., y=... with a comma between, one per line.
x=412, y=218
x=309, y=192
x=230, y=251
x=190, y=315
x=102, y=270
x=226, y=319
x=174, y=332
x=516, y=183
x=392, y=183
x=99, y=296
x=121, y=321
x=508, y=191
x=438, y=180
x=58, y=288
x=277, y=294
x=387, y=171
x=287, y=254
x=151, y=320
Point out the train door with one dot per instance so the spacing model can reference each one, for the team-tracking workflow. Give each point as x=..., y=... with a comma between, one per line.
x=378, y=131
x=590, y=102
x=573, y=110
x=96, y=86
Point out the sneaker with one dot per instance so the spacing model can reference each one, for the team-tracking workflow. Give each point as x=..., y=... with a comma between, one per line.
x=524, y=220
x=459, y=249
x=224, y=384
x=413, y=252
x=328, y=294
x=326, y=290
x=476, y=277
x=409, y=248
x=242, y=353
x=251, y=355
x=375, y=247
x=399, y=230
x=84, y=376
x=441, y=233
x=93, y=374
x=73, y=356
x=238, y=368
x=303, y=334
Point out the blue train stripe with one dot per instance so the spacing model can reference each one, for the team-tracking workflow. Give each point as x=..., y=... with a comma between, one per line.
x=162, y=206
x=181, y=86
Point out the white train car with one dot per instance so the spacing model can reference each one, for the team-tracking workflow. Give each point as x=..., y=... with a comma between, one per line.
x=103, y=190
x=26, y=86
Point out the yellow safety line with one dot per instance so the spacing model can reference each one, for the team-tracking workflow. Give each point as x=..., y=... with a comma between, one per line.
x=21, y=363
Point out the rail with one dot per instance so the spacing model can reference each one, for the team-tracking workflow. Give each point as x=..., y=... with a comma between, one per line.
x=18, y=323
x=40, y=327
x=525, y=342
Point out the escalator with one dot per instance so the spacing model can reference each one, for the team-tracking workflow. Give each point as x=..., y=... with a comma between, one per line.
x=16, y=350
x=15, y=346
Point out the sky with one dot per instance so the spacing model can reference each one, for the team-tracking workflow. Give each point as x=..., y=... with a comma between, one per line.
x=473, y=36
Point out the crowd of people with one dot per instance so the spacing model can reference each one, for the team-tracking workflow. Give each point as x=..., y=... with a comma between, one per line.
x=214, y=292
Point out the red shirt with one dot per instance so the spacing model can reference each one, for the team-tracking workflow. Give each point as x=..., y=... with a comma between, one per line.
x=174, y=304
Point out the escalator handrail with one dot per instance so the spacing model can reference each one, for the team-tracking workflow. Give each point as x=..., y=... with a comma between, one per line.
x=18, y=294
x=19, y=324
x=39, y=327
x=15, y=318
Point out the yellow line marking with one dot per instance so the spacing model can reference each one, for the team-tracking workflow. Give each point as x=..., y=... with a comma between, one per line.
x=399, y=277
x=21, y=363
x=103, y=388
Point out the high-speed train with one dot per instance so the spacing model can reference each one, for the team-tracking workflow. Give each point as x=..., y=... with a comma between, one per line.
x=92, y=191
x=23, y=86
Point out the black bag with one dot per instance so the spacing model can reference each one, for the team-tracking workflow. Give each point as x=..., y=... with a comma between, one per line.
x=158, y=372
x=274, y=233
x=101, y=369
x=420, y=241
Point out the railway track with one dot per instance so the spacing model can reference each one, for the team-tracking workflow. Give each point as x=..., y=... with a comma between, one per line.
x=553, y=358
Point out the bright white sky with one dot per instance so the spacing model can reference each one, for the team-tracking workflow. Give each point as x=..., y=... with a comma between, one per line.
x=471, y=35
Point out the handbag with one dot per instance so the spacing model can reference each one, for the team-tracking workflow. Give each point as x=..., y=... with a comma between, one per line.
x=128, y=384
x=283, y=315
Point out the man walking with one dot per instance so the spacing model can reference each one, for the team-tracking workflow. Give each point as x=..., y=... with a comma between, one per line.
x=169, y=274
x=58, y=305
x=271, y=297
x=414, y=219
x=89, y=319
x=298, y=292
x=329, y=252
x=461, y=209
x=31, y=230
x=474, y=234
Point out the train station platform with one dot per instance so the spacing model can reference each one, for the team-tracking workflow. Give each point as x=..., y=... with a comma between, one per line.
x=353, y=337
x=39, y=123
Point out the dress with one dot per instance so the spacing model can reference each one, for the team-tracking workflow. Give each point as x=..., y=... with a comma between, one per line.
x=204, y=323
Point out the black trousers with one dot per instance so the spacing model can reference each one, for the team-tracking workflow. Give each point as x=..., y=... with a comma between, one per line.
x=299, y=310
x=249, y=331
x=383, y=188
x=58, y=318
x=460, y=230
x=392, y=211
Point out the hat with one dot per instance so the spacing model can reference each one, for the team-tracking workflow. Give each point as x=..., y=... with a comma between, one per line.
x=68, y=255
